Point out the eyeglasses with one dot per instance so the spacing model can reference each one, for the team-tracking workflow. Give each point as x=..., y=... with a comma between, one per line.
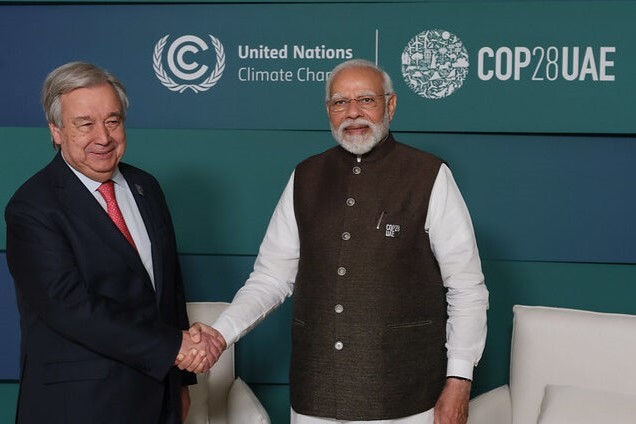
x=365, y=102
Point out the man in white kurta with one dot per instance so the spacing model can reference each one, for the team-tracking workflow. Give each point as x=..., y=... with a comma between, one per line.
x=360, y=104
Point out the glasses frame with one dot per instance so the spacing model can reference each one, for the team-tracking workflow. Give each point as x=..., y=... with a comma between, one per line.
x=347, y=101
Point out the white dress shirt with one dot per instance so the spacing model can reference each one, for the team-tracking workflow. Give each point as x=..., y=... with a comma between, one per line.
x=452, y=241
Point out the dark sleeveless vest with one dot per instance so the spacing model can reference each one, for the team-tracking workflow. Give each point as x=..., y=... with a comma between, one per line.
x=369, y=306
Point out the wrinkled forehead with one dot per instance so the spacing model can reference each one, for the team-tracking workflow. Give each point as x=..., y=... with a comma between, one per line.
x=102, y=97
x=352, y=82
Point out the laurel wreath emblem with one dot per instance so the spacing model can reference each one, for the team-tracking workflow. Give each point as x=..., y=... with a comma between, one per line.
x=168, y=82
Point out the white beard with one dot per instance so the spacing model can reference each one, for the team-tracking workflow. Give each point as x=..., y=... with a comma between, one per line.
x=359, y=144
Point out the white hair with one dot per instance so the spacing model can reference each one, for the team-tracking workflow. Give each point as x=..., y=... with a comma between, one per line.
x=387, y=84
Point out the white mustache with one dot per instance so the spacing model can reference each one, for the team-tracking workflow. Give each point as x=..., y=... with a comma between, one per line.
x=354, y=122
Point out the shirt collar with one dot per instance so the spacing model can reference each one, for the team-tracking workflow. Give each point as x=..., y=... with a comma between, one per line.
x=93, y=185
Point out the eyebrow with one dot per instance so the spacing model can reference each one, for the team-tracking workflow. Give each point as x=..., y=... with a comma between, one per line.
x=364, y=93
x=80, y=119
x=89, y=118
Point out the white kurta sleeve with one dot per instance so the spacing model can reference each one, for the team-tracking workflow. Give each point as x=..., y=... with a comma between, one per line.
x=272, y=279
x=453, y=243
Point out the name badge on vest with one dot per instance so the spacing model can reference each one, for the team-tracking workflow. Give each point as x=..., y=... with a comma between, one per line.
x=392, y=230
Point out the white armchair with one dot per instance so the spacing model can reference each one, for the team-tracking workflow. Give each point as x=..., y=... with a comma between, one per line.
x=219, y=397
x=567, y=367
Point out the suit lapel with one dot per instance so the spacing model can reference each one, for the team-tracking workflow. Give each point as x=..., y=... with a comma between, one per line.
x=82, y=205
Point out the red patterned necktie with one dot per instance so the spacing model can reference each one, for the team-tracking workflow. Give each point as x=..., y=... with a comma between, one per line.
x=107, y=190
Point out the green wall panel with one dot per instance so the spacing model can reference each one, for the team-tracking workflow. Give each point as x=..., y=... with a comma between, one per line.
x=8, y=399
x=275, y=399
x=537, y=198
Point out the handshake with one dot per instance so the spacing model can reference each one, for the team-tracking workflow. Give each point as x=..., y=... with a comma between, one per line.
x=201, y=347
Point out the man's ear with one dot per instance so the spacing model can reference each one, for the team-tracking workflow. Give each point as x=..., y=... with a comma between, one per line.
x=392, y=105
x=55, y=134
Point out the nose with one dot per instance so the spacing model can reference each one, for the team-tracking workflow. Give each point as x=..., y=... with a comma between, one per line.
x=353, y=109
x=102, y=133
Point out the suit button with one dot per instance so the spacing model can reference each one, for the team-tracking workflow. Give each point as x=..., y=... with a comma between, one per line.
x=339, y=309
x=357, y=170
x=342, y=271
x=351, y=201
x=338, y=345
x=346, y=236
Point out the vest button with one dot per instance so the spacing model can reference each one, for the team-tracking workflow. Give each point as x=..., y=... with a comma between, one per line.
x=357, y=170
x=342, y=270
x=351, y=201
x=346, y=236
x=338, y=345
x=339, y=309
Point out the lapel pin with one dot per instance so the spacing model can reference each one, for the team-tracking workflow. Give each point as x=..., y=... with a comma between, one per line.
x=140, y=189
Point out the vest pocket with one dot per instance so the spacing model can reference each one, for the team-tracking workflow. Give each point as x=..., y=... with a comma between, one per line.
x=296, y=321
x=422, y=323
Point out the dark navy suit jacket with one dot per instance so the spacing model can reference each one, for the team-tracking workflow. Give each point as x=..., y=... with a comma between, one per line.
x=97, y=340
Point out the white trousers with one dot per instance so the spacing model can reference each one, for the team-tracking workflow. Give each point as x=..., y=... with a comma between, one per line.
x=423, y=418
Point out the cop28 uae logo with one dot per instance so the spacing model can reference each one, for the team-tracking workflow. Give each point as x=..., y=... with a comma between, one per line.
x=435, y=64
x=181, y=56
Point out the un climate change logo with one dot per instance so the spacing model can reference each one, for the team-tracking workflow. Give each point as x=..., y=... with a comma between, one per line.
x=187, y=71
x=435, y=64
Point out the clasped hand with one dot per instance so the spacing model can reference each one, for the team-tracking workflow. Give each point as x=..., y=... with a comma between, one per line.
x=201, y=347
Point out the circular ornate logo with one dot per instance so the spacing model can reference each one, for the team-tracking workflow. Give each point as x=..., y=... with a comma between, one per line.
x=435, y=64
x=187, y=71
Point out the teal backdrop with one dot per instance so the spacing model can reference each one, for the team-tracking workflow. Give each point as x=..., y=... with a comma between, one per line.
x=457, y=66
x=546, y=167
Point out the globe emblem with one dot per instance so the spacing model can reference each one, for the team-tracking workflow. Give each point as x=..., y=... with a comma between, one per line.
x=435, y=64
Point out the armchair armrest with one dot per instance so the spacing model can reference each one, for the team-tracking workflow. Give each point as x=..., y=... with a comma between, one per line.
x=493, y=407
x=243, y=405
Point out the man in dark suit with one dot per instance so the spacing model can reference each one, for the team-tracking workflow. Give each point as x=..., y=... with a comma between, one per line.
x=92, y=251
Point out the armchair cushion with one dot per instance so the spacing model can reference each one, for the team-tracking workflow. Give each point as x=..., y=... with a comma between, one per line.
x=584, y=358
x=567, y=404
x=568, y=347
x=244, y=406
x=492, y=407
